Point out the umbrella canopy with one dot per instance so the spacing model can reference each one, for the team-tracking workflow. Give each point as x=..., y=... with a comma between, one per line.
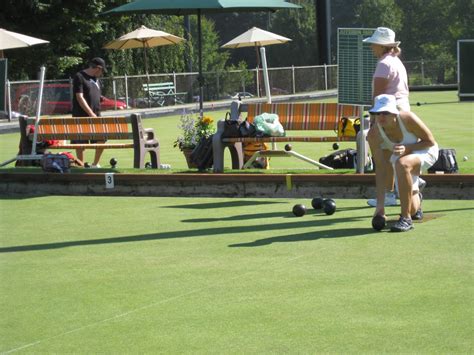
x=143, y=37
x=255, y=37
x=258, y=38
x=191, y=7
x=10, y=40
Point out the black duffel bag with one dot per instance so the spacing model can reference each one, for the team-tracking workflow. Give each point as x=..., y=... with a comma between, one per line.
x=446, y=162
x=342, y=159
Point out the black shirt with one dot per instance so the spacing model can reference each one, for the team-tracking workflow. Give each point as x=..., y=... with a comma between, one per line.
x=89, y=86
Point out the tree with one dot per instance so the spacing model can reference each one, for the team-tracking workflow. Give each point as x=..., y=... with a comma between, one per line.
x=377, y=13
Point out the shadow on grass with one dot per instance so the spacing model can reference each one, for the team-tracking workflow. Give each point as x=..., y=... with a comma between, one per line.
x=21, y=196
x=308, y=236
x=263, y=215
x=224, y=204
x=204, y=232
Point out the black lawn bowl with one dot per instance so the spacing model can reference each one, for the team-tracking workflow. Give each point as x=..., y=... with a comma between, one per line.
x=329, y=206
x=299, y=210
x=113, y=162
x=335, y=146
x=317, y=203
x=288, y=147
x=378, y=222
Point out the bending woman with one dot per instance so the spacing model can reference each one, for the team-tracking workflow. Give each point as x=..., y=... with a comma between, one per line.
x=402, y=140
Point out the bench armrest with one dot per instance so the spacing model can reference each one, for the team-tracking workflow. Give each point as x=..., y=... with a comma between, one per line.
x=150, y=133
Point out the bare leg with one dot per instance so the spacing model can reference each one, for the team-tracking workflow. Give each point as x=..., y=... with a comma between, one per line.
x=383, y=166
x=98, y=154
x=405, y=167
x=80, y=154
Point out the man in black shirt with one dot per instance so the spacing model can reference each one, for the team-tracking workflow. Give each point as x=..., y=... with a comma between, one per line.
x=86, y=99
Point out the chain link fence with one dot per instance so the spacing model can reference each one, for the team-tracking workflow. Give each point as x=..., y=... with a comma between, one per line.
x=157, y=90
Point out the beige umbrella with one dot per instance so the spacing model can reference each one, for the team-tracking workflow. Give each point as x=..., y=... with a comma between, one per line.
x=144, y=37
x=10, y=40
x=256, y=37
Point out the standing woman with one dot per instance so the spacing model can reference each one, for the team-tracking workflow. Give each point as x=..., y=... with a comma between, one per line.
x=390, y=77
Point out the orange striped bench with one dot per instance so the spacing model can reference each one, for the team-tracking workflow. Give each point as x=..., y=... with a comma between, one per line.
x=293, y=117
x=123, y=128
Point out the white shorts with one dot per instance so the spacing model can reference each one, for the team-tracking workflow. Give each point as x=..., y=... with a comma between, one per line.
x=403, y=104
x=427, y=158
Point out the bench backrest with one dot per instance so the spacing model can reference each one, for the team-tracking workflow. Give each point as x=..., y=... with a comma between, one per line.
x=84, y=128
x=159, y=86
x=306, y=116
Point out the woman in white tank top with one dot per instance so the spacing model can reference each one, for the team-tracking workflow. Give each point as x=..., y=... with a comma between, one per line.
x=404, y=141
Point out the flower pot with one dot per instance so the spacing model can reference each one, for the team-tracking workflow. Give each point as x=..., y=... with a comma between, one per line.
x=187, y=154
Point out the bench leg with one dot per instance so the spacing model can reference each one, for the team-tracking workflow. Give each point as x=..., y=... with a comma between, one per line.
x=218, y=147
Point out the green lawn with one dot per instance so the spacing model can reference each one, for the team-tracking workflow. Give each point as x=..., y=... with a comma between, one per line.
x=212, y=275
x=452, y=123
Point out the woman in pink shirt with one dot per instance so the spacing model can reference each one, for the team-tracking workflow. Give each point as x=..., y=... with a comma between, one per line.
x=390, y=77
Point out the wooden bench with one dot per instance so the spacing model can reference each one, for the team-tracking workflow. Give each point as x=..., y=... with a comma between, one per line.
x=294, y=117
x=160, y=92
x=110, y=129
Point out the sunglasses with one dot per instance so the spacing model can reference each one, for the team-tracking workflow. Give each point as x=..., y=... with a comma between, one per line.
x=380, y=113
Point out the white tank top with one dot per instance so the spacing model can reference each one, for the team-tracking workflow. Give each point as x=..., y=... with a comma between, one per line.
x=407, y=137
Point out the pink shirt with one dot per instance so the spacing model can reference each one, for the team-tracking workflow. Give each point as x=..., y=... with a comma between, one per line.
x=391, y=67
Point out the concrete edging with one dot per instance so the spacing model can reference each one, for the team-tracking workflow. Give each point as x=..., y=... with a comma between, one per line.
x=453, y=186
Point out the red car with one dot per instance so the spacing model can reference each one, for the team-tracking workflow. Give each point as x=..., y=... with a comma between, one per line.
x=56, y=100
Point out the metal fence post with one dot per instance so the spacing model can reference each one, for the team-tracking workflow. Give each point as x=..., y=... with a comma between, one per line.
x=258, y=81
x=293, y=79
x=325, y=76
x=422, y=71
x=126, y=89
x=9, y=101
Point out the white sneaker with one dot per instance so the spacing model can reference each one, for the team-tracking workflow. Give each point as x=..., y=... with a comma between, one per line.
x=390, y=200
x=96, y=166
x=421, y=184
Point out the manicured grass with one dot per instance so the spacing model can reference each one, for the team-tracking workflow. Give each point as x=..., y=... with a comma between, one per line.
x=213, y=275
x=452, y=123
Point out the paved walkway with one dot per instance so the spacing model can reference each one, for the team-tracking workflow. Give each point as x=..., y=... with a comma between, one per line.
x=9, y=127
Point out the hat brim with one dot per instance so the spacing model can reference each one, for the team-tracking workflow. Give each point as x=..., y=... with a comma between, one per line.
x=383, y=108
x=374, y=41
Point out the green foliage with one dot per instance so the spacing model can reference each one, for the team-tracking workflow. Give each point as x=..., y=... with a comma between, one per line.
x=376, y=13
x=298, y=25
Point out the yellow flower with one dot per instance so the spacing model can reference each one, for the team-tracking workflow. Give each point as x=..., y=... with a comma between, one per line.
x=207, y=120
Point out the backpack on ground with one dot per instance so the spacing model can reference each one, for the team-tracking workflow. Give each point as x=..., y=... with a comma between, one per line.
x=202, y=155
x=250, y=148
x=446, y=162
x=342, y=159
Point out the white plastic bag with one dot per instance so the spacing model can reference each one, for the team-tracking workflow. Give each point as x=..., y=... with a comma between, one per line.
x=269, y=124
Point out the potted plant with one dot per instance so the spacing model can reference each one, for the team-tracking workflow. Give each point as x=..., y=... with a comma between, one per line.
x=193, y=130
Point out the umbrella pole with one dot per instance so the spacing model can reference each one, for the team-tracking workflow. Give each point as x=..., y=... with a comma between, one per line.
x=200, y=77
x=147, y=76
x=259, y=81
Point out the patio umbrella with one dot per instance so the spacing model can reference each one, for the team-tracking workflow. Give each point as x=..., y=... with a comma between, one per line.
x=10, y=40
x=144, y=37
x=195, y=7
x=258, y=38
